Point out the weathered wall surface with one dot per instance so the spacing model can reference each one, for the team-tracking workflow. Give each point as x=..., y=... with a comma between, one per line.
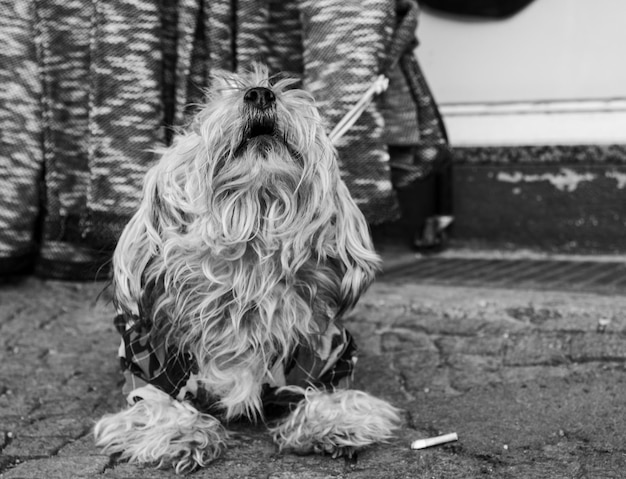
x=569, y=199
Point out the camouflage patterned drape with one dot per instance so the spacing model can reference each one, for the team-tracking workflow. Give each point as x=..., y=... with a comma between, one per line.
x=90, y=88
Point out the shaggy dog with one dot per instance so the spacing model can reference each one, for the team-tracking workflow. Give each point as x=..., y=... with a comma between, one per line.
x=230, y=282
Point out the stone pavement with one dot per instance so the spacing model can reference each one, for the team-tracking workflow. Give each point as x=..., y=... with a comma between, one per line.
x=533, y=382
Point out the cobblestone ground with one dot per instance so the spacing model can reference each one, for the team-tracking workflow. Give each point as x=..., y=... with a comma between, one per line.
x=532, y=382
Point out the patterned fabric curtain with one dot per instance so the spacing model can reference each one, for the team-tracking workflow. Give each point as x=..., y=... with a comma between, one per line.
x=89, y=89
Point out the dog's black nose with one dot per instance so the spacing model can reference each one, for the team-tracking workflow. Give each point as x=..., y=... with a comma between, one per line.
x=260, y=97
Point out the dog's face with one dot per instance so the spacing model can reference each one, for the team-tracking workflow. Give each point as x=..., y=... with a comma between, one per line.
x=261, y=134
x=253, y=114
x=256, y=162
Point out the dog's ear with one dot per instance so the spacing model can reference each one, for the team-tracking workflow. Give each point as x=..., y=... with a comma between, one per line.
x=163, y=212
x=354, y=249
x=343, y=240
x=135, y=247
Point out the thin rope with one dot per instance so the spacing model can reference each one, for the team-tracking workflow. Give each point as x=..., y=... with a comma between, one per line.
x=379, y=85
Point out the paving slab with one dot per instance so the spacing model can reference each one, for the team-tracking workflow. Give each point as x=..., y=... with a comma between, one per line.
x=532, y=381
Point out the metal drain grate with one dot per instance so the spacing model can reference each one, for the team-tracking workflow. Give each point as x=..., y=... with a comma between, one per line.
x=582, y=275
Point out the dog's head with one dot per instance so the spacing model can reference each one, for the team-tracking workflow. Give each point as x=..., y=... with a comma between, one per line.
x=253, y=115
x=255, y=162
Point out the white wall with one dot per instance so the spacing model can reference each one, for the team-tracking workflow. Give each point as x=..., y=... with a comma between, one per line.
x=558, y=64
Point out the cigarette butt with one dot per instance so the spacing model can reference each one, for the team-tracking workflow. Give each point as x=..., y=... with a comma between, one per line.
x=433, y=441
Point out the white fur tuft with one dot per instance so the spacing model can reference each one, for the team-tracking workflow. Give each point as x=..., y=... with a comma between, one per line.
x=336, y=423
x=160, y=429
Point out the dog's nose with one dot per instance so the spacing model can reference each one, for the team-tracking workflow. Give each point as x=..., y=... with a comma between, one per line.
x=260, y=97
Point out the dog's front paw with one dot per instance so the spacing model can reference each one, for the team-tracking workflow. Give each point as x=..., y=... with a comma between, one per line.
x=333, y=450
x=337, y=423
x=159, y=429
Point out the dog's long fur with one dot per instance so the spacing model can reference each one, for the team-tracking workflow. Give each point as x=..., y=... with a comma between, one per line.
x=241, y=247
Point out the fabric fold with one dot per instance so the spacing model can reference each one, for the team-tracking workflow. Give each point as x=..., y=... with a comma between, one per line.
x=93, y=88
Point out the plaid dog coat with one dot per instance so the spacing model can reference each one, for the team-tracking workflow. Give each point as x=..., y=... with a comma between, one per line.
x=327, y=365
